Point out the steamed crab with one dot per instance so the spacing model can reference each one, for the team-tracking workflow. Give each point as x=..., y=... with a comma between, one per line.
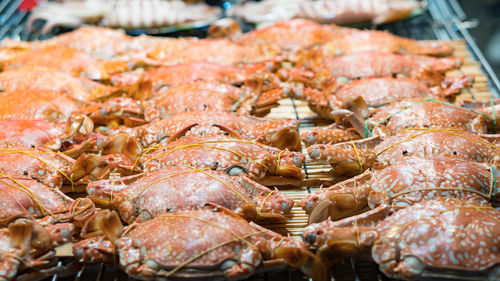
x=259, y=93
x=370, y=92
x=58, y=170
x=221, y=51
x=72, y=138
x=210, y=96
x=439, y=238
x=411, y=113
x=278, y=133
x=37, y=104
x=69, y=60
x=182, y=73
x=313, y=39
x=355, y=156
x=51, y=168
x=38, y=78
x=140, y=197
x=25, y=244
x=291, y=35
x=55, y=107
x=99, y=42
x=354, y=41
x=403, y=184
x=60, y=215
x=233, y=156
x=381, y=64
x=216, y=243
x=25, y=197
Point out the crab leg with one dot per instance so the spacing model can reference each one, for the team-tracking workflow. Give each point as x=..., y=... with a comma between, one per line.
x=344, y=199
x=347, y=157
x=351, y=236
x=331, y=134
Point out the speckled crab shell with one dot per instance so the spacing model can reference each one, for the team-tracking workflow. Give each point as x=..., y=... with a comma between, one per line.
x=181, y=73
x=381, y=91
x=436, y=142
x=221, y=51
x=408, y=182
x=25, y=197
x=423, y=142
x=354, y=40
x=48, y=167
x=431, y=236
x=428, y=113
x=280, y=133
x=66, y=59
x=28, y=132
x=215, y=244
x=380, y=64
x=234, y=156
x=24, y=244
x=37, y=104
x=182, y=188
x=98, y=42
x=291, y=34
x=39, y=78
x=198, y=95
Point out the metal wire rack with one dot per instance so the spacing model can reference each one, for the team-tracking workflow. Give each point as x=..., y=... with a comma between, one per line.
x=442, y=20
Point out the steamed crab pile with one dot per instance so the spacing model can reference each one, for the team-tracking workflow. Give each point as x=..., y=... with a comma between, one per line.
x=175, y=167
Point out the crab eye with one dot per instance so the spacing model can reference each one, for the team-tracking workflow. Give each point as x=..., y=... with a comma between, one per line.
x=455, y=153
x=405, y=152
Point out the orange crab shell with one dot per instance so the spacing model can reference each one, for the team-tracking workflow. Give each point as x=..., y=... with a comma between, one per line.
x=234, y=156
x=40, y=78
x=216, y=243
x=137, y=198
x=432, y=236
x=69, y=60
x=37, y=104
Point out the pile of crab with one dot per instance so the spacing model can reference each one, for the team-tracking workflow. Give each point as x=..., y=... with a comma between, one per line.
x=156, y=154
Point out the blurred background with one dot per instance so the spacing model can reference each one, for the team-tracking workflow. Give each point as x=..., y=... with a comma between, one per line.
x=40, y=19
x=487, y=31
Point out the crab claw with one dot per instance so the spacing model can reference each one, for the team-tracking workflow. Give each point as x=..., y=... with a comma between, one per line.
x=94, y=250
x=453, y=85
x=81, y=210
x=110, y=224
x=304, y=260
x=336, y=207
x=20, y=234
x=124, y=144
x=78, y=123
x=331, y=134
x=286, y=138
x=289, y=164
x=89, y=164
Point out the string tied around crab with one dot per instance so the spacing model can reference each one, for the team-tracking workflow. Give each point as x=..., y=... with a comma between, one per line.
x=194, y=170
x=204, y=144
x=18, y=185
x=236, y=238
x=12, y=151
x=431, y=130
x=491, y=196
x=369, y=133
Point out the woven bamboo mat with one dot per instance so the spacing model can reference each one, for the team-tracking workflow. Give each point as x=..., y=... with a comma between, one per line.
x=297, y=220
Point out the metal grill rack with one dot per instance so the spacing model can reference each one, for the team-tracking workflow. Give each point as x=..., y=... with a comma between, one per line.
x=442, y=20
